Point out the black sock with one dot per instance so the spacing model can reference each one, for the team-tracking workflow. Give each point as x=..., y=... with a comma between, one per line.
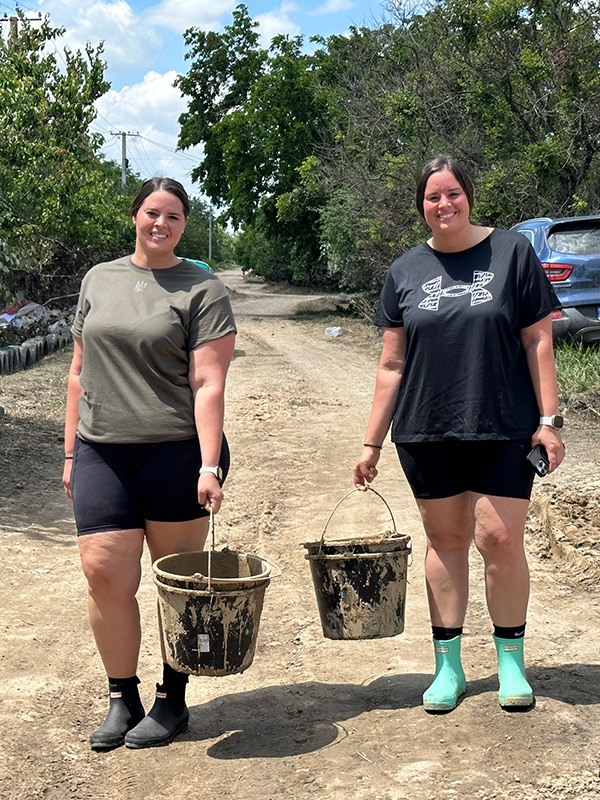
x=510, y=633
x=128, y=688
x=444, y=634
x=172, y=678
x=174, y=684
x=124, y=682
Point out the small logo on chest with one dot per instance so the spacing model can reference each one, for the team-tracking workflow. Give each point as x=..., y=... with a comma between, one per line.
x=433, y=290
x=140, y=286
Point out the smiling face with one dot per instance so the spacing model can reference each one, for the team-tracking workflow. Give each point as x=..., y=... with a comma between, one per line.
x=159, y=223
x=445, y=204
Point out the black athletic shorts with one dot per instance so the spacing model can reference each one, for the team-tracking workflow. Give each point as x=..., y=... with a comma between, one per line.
x=119, y=486
x=444, y=469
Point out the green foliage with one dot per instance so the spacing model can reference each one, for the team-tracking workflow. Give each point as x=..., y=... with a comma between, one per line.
x=194, y=241
x=258, y=116
x=59, y=208
x=578, y=371
x=316, y=155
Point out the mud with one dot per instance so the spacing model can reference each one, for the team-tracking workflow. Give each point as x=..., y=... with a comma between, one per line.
x=312, y=717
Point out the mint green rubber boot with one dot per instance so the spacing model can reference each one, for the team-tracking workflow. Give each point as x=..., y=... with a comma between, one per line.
x=514, y=692
x=449, y=681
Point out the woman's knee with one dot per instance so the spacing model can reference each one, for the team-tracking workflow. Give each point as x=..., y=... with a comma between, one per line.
x=111, y=563
x=448, y=540
x=499, y=544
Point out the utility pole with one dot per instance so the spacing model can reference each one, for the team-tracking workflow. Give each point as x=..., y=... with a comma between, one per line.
x=13, y=26
x=13, y=22
x=209, y=233
x=124, y=161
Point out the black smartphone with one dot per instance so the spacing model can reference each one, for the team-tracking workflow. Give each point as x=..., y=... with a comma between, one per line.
x=538, y=458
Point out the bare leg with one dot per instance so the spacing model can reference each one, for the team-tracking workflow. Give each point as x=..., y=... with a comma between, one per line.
x=169, y=715
x=448, y=523
x=166, y=538
x=499, y=530
x=111, y=564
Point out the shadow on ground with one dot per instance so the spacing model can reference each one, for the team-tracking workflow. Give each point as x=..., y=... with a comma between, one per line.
x=288, y=720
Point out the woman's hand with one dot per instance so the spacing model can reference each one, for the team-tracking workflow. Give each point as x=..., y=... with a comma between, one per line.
x=365, y=468
x=210, y=494
x=551, y=439
x=66, y=477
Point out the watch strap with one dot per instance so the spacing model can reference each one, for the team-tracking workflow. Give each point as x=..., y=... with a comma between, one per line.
x=216, y=471
x=554, y=421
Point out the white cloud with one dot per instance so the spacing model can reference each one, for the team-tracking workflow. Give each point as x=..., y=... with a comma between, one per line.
x=278, y=21
x=332, y=7
x=150, y=108
x=126, y=39
x=178, y=15
x=131, y=37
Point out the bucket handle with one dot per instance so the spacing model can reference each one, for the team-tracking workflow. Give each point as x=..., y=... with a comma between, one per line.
x=368, y=489
x=211, y=550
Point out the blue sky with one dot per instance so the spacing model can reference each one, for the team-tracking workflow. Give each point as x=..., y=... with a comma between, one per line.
x=144, y=51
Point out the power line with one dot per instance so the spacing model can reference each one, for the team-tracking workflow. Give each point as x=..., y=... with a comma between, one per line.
x=105, y=120
x=146, y=156
x=21, y=5
x=170, y=149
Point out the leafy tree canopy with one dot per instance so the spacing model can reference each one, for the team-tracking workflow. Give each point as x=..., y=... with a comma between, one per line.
x=316, y=155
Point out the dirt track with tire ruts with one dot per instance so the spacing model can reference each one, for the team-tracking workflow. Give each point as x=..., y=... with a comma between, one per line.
x=311, y=718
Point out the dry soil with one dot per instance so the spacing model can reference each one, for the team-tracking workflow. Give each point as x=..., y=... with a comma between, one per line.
x=311, y=718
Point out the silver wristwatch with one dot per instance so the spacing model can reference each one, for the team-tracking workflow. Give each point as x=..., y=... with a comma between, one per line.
x=216, y=471
x=555, y=421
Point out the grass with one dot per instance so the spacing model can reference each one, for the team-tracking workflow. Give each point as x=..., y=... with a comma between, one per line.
x=578, y=369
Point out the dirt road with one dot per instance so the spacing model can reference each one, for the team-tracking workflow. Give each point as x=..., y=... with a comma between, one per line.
x=311, y=718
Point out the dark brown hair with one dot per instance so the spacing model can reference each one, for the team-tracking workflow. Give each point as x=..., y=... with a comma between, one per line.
x=161, y=185
x=438, y=164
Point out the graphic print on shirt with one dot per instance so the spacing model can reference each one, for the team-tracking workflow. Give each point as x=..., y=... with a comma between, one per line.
x=140, y=286
x=433, y=289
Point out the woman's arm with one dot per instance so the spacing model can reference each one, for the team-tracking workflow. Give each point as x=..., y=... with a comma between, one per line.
x=537, y=341
x=387, y=383
x=74, y=392
x=209, y=363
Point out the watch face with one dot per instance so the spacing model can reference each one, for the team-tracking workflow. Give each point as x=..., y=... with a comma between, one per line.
x=557, y=421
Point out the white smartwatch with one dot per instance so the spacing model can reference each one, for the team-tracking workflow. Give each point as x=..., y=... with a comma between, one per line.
x=216, y=471
x=555, y=421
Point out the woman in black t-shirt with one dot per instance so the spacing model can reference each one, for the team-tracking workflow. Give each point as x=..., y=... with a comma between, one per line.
x=467, y=381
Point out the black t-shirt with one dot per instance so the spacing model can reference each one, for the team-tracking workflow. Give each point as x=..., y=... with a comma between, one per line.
x=466, y=374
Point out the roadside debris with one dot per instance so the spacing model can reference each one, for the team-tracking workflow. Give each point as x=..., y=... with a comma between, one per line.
x=29, y=331
x=333, y=332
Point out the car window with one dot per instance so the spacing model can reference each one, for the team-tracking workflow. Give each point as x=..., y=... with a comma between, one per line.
x=579, y=241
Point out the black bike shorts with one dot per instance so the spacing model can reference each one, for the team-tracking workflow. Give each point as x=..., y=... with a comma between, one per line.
x=444, y=469
x=119, y=486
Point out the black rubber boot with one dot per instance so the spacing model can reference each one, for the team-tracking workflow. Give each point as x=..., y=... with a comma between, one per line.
x=125, y=712
x=167, y=718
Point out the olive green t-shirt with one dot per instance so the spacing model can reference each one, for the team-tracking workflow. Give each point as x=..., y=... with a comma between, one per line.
x=138, y=327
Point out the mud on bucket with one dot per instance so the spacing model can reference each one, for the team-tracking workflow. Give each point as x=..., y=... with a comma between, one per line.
x=210, y=630
x=360, y=582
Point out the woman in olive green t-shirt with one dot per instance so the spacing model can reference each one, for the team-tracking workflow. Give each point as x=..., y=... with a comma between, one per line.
x=145, y=454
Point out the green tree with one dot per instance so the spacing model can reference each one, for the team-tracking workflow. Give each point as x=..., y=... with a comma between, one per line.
x=194, y=241
x=511, y=88
x=258, y=116
x=59, y=209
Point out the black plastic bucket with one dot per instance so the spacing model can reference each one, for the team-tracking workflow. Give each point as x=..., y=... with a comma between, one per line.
x=227, y=569
x=360, y=583
x=209, y=626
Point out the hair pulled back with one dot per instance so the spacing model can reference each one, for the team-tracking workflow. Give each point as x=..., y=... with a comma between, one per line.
x=161, y=185
x=438, y=164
